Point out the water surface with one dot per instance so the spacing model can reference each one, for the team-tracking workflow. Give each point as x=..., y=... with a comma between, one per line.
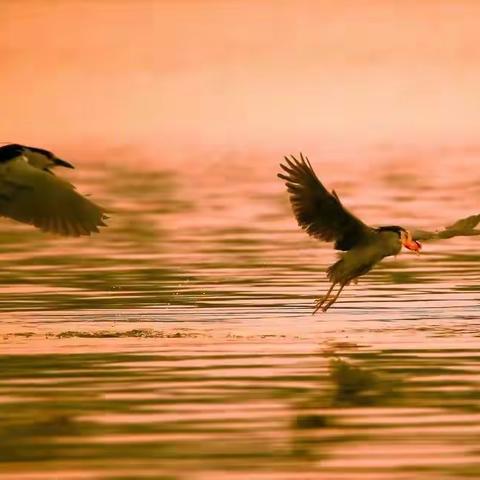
x=179, y=343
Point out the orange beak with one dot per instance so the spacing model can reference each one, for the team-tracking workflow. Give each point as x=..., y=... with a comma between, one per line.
x=411, y=244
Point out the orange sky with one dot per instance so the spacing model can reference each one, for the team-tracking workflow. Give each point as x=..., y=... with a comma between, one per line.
x=240, y=73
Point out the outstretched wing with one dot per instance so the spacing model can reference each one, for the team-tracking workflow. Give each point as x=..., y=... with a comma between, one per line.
x=319, y=212
x=37, y=197
x=463, y=227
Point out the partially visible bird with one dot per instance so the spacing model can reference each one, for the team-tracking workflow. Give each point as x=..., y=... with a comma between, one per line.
x=322, y=215
x=31, y=193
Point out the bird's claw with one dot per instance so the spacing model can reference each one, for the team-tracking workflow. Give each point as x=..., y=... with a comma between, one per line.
x=319, y=303
x=327, y=306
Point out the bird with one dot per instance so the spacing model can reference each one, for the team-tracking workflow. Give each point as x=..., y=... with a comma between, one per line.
x=31, y=193
x=322, y=215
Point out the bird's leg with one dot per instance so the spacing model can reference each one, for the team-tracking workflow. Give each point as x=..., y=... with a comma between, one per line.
x=321, y=300
x=331, y=302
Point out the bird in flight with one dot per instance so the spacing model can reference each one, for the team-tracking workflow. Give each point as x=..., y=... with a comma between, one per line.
x=31, y=193
x=322, y=215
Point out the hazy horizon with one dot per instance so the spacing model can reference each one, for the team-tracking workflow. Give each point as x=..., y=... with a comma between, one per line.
x=241, y=75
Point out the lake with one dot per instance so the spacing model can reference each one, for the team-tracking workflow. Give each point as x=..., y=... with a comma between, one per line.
x=179, y=343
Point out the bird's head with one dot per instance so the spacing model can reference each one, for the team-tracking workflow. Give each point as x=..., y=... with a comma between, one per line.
x=405, y=236
x=43, y=159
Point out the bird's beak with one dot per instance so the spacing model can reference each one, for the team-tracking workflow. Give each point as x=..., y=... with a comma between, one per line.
x=414, y=246
x=62, y=163
x=410, y=243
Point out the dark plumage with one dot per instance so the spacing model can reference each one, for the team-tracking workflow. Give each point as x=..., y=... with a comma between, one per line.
x=31, y=193
x=8, y=152
x=322, y=215
x=319, y=212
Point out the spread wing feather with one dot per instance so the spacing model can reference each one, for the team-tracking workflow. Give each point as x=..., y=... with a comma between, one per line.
x=39, y=198
x=319, y=212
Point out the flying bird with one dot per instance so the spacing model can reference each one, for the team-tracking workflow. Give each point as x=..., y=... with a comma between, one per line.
x=31, y=193
x=322, y=215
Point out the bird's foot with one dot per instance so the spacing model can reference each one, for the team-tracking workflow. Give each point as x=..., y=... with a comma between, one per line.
x=319, y=302
x=327, y=306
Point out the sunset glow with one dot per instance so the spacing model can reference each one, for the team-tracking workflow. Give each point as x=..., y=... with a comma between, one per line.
x=264, y=264
x=240, y=74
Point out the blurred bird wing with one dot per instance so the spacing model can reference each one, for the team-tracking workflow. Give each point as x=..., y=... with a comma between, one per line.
x=319, y=212
x=39, y=198
x=463, y=227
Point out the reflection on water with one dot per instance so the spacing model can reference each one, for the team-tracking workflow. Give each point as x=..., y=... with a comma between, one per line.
x=195, y=415
x=178, y=343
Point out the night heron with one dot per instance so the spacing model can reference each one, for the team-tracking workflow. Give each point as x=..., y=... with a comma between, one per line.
x=322, y=215
x=31, y=193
